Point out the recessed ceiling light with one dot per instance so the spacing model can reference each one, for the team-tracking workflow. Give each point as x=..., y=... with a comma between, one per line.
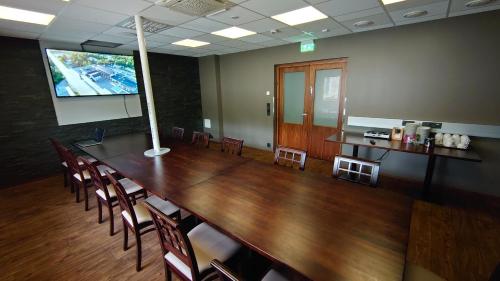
x=14, y=14
x=415, y=14
x=300, y=16
x=233, y=32
x=190, y=43
x=476, y=3
x=387, y=2
x=363, y=23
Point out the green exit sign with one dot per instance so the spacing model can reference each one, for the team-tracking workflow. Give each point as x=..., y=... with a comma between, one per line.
x=307, y=46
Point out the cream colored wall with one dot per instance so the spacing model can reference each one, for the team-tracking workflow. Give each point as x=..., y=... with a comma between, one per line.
x=445, y=70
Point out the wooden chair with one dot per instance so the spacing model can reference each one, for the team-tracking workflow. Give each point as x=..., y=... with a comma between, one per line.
x=290, y=157
x=188, y=254
x=233, y=146
x=106, y=194
x=356, y=170
x=178, y=133
x=225, y=274
x=201, y=139
x=134, y=217
x=59, y=149
x=80, y=178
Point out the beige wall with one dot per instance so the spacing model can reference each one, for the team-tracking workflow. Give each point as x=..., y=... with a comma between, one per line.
x=447, y=70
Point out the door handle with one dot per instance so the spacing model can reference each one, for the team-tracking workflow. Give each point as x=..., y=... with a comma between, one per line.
x=304, y=114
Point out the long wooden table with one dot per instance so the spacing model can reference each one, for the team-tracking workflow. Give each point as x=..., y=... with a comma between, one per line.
x=322, y=228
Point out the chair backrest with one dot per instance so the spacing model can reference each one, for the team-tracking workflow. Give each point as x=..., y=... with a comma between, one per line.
x=356, y=170
x=200, y=138
x=72, y=161
x=58, y=147
x=95, y=176
x=123, y=199
x=177, y=133
x=233, y=146
x=173, y=239
x=290, y=157
x=224, y=273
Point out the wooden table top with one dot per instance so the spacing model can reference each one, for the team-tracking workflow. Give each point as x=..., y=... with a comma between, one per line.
x=359, y=139
x=323, y=228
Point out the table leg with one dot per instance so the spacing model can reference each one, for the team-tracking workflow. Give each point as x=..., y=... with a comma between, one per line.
x=428, y=176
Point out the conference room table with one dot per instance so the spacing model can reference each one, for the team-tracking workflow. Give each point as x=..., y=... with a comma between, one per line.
x=322, y=228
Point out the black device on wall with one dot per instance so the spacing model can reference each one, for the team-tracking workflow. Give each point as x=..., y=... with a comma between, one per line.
x=79, y=74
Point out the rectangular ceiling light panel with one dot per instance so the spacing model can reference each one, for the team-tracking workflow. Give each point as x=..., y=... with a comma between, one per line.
x=299, y=16
x=233, y=32
x=191, y=43
x=387, y=2
x=8, y=13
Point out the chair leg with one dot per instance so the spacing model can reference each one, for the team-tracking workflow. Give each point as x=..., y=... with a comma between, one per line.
x=125, y=236
x=145, y=194
x=111, y=220
x=99, y=210
x=86, y=193
x=72, y=184
x=168, y=272
x=139, y=250
x=77, y=191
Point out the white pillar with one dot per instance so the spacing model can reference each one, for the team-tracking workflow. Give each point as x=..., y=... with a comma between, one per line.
x=157, y=150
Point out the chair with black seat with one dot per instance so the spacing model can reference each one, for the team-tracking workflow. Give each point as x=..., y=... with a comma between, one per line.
x=188, y=254
x=232, y=146
x=59, y=149
x=80, y=177
x=134, y=217
x=201, y=139
x=356, y=170
x=178, y=133
x=291, y=157
x=225, y=274
x=106, y=194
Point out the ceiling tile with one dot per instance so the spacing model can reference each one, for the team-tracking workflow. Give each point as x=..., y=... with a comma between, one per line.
x=332, y=33
x=274, y=42
x=124, y=32
x=66, y=26
x=360, y=14
x=457, y=8
x=271, y=8
x=380, y=21
x=263, y=25
x=314, y=2
x=422, y=19
x=318, y=26
x=149, y=44
x=432, y=10
x=284, y=33
x=18, y=33
x=410, y=4
x=181, y=32
x=232, y=43
x=114, y=39
x=205, y=25
x=256, y=38
x=162, y=51
x=209, y=38
x=131, y=7
x=22, y=26
x=165, y=15
x=43, y=6
x=79, y=12
x=162, y=38
x=300, y=37
x=341, y=7
x=243, y=16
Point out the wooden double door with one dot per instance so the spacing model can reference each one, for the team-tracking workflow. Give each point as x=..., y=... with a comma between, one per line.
x=310, y=105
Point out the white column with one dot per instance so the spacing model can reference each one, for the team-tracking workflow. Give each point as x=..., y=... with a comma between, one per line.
x=157, y=150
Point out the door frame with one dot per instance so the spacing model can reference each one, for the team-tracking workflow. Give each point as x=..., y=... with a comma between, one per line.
x=308, y=63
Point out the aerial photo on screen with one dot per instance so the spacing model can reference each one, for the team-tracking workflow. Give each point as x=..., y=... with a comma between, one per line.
x=91, y=74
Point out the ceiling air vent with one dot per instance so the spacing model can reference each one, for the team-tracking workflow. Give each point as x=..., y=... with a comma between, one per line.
x=148, y=25
x=195, y=7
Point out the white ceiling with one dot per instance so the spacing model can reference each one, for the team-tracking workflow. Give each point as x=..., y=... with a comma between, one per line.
x=80, y=20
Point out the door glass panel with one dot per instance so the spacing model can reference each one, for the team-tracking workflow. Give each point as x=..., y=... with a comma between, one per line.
x=327, y=97
x=294, y=97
